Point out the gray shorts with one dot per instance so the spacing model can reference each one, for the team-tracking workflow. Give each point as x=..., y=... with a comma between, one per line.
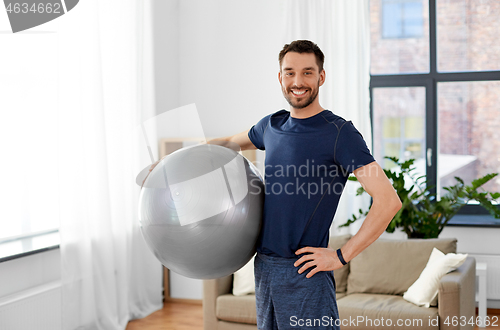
x=288, y=300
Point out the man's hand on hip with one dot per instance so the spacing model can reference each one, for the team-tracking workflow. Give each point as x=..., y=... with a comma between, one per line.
x=323, y=258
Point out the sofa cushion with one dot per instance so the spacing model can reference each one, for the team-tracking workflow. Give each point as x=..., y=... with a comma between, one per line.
x=236, y=309
x=391, y=266
x=340, y=295
x=340, y=275
x=365, y=311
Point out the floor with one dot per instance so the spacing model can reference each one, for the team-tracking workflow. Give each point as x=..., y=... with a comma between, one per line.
x=173, y=316
x=182, y=316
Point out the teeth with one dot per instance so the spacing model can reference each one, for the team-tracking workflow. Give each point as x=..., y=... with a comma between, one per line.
x=299, y=93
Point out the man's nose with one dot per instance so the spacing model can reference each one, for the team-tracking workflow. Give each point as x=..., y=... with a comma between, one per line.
x=298, y=81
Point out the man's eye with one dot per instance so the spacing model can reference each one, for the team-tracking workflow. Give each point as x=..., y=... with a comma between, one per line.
x=289, y=74
x=307, y=73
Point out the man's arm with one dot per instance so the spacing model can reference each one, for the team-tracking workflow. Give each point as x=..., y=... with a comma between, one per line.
x=239, y=141
x=386, y=204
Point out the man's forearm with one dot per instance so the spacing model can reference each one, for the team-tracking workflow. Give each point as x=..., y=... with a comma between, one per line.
x=375, y=223
x=226, y=142
x=223, y=141
x=237, y=142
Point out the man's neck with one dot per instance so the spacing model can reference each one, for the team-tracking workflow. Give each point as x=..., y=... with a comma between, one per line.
x=305, y=112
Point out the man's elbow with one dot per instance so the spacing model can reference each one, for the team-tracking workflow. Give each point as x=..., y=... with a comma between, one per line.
x=391, y=204
x=396, y=204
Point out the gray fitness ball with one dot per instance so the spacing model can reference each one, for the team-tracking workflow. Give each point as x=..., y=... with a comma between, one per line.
x=201, y=211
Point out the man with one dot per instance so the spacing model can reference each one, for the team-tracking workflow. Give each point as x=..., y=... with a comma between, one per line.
x=309, y=154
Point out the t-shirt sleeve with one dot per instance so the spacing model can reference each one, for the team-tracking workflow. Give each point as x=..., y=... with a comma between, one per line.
x=351, y=151
x=256, y=133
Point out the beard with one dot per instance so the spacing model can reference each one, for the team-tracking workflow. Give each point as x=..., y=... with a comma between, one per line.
x=300, y=103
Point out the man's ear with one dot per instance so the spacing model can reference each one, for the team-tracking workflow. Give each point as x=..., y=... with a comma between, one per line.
x=322, y=77
x=279, y=76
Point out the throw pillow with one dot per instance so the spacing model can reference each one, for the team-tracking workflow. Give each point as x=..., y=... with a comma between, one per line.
x=244, y=280
x=425, y=289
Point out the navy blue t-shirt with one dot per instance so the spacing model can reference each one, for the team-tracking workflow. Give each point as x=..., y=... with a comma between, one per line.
x=306, y=168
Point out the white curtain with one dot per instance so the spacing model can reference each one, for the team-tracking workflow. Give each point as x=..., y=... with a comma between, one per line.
x=108, y=274
x=341, y=28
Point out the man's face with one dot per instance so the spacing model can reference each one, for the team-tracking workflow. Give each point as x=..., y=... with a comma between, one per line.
x=300, y=79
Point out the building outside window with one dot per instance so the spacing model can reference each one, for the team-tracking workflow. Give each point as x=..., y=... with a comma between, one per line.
x=402, y=19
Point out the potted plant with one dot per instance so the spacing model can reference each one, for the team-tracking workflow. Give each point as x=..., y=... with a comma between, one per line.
x=422, y=215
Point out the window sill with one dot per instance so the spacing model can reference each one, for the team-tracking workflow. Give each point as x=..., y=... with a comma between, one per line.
x=22, y=247
x=471, y=220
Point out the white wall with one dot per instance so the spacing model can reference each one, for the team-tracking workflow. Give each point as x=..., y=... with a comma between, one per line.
x=474, y=240
x=221, y=55
x=165, y=15
x=28, y=272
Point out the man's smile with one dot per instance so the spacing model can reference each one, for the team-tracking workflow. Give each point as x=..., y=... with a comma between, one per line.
x=299, y=93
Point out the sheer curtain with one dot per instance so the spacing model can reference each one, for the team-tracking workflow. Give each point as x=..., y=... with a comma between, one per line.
x=108, y=274
x=341, y=28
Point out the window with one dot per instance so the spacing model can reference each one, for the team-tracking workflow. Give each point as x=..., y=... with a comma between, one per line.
x=29, y=217
x=402, y=19
x=435, y=98
x=399, y=125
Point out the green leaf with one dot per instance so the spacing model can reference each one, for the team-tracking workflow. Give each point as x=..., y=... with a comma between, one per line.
x=479, y=182
x=394, y=159
x=495, y=195
x=420, y=177
x=354, y=218
x=407, y=164
x=494, y=211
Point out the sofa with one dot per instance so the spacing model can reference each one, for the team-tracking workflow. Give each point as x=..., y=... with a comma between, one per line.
x=370, y=290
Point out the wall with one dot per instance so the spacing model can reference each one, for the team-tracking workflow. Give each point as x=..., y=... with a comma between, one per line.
x=28, y=272
x=208, y=53
x=165, y=16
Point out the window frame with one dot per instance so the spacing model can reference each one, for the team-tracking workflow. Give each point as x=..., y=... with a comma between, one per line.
x=27, y=243
x=430, y=82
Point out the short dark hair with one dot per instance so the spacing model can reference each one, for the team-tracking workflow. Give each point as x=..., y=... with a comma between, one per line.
x=303, y=46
